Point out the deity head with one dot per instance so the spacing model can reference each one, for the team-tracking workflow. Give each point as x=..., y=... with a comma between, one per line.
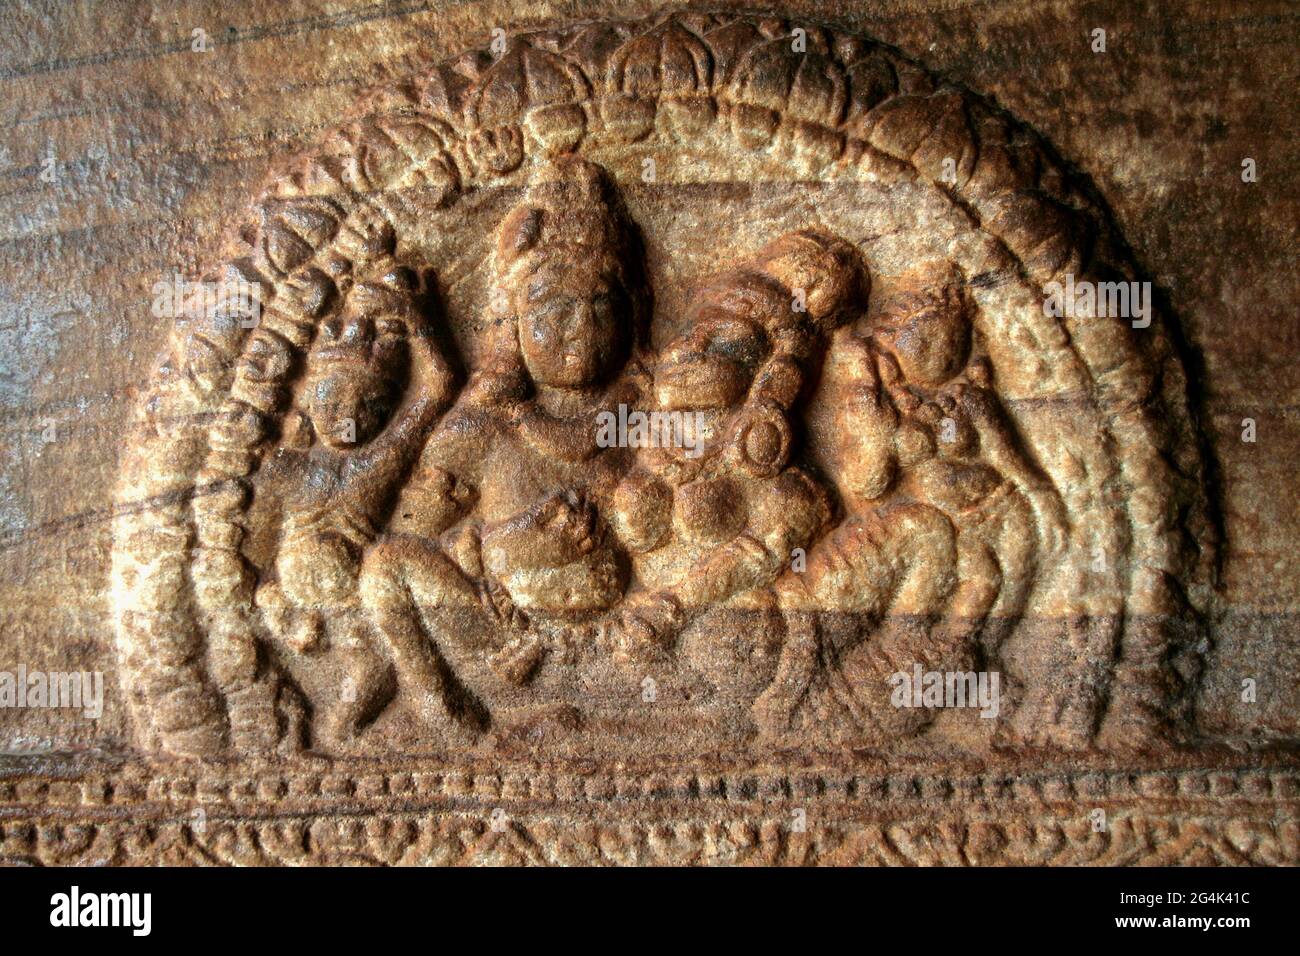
x=711, y=365
x=357, y=364
x=569, y=265
x=750, y=336
x=925, y=325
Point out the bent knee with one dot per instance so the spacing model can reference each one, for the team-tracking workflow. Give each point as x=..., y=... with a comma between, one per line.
x=399, y=570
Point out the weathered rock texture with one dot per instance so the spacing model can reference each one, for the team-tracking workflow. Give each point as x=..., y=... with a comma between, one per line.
x=378, y=544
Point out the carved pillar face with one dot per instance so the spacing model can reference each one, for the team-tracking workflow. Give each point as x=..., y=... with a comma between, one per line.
x=355, y=372
x=574, y=322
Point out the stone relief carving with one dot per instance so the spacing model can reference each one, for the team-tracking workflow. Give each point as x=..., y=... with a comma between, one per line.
x=572, y=819
x=388, y=499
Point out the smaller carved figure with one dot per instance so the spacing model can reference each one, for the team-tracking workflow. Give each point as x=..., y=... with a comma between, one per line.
x=373, y=386
x=711, y=529
x=943, y=520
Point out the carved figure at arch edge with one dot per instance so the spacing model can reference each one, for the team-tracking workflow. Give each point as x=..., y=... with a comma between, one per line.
x=367, y=535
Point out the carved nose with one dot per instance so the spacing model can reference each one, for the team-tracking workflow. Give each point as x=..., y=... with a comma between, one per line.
x=582, y=319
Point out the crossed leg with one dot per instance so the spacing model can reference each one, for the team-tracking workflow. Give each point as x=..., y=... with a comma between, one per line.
x=400, y=575
x=891, y=570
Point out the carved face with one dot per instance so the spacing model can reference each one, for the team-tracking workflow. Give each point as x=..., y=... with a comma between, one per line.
x=572, y=318
x=354, y=375
x=710, y=366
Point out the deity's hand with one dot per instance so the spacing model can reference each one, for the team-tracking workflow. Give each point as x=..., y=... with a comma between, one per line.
x=573, y=522
x=432, y=501
x=854, y=353
x=562, y=529
x=868, y=397
x=867, y=425
x=307, y=293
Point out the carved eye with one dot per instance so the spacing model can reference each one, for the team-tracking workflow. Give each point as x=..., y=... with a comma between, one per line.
x=393, y=327
x=551, y=315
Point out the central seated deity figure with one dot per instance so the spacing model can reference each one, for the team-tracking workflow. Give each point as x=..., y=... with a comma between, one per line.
x=504, y=514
